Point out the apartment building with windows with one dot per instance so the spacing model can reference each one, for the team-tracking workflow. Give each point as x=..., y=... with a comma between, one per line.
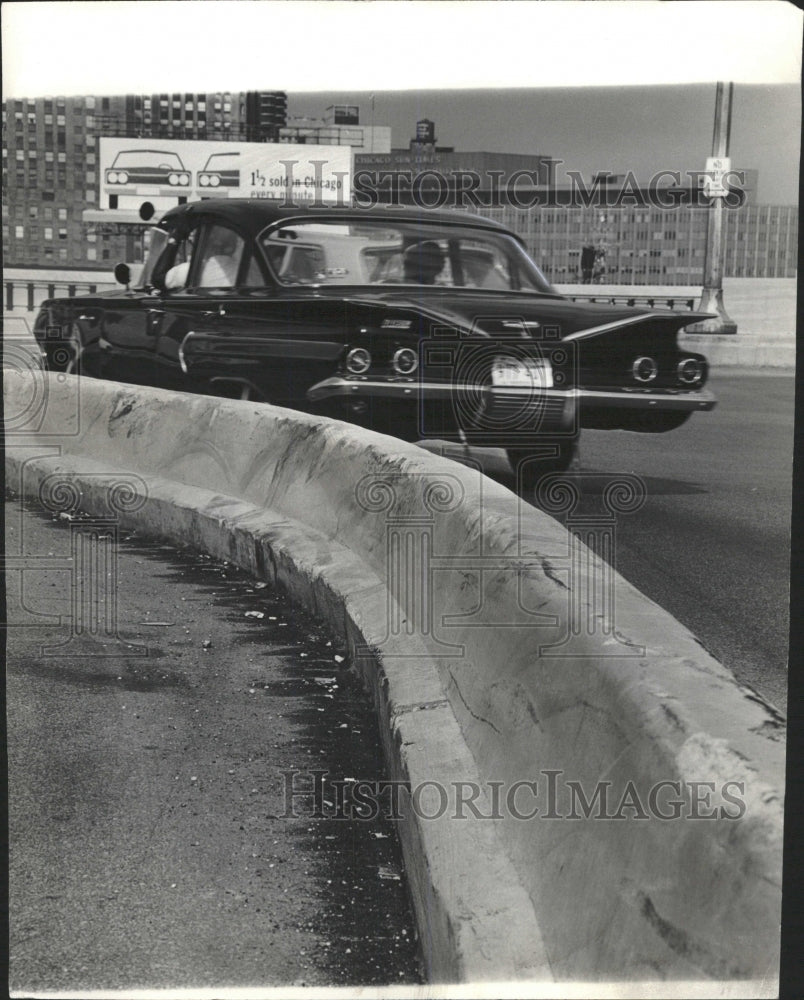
x=646, y=245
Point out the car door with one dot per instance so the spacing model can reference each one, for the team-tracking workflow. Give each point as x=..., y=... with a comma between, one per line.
x=130, y=325
x=182, y=307
x=229, y=330
x=127, y=337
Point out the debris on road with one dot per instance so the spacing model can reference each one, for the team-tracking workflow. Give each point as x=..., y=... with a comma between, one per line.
x=254, y=614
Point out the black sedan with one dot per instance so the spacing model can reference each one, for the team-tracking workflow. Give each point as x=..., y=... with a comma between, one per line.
x=420, y=324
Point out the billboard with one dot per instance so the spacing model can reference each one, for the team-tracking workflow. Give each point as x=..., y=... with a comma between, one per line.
x=170, y=172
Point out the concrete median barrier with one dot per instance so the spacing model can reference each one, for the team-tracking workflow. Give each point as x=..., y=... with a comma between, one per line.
x=591, y=795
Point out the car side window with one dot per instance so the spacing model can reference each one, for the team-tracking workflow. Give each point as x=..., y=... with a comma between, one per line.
x=254, y=276
x=176, y=276
x=216, y=261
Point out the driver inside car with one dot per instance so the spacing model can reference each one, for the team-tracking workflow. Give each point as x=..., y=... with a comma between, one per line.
x=177, y=276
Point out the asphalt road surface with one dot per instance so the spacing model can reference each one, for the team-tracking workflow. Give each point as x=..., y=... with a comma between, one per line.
x=711, y=544
x=148, y=809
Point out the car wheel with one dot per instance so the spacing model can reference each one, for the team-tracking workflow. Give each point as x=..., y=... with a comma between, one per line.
x=530, y=464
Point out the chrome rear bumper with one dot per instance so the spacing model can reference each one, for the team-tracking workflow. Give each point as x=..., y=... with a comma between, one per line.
x=625, y=399
x=548, y=410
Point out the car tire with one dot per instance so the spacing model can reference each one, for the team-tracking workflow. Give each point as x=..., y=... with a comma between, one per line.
x=530, y=464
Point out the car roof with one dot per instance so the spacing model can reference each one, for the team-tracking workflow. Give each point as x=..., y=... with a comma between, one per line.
x=161, y=152
x=252, y=215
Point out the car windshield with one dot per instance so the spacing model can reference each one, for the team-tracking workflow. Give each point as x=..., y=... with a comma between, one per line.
x=374, y=252
x=132, y=158
x=222, y=161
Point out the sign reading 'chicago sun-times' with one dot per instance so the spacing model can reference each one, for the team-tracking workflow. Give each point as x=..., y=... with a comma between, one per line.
x=169, y=172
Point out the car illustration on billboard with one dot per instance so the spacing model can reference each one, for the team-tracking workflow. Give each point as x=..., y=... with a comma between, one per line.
x=145, y=172
x=220, y=172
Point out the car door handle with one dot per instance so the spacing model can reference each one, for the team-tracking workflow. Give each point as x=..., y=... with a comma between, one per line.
x=154, y=316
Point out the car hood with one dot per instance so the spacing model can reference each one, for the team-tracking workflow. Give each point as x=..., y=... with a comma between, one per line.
x=497, y=314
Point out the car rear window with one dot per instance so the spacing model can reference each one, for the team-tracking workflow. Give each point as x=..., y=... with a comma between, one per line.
x=407, y=253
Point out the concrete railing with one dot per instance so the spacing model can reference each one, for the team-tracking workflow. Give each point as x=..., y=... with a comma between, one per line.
x=626, y=794
x=764, y=310
x=24, y=290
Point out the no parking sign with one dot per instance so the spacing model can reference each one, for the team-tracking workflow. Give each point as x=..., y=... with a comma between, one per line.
x=717, y=168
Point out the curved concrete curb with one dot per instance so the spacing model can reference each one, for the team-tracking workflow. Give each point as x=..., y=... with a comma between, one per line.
x=456, y=600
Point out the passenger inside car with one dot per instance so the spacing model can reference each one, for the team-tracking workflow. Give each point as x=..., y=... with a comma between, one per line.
x=423, y=262
x=480, y=271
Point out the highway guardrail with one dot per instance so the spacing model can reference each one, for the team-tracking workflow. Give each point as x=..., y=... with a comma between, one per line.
x=591, y=796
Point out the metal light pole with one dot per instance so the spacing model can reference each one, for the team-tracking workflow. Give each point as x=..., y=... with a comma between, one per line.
x=717, y=167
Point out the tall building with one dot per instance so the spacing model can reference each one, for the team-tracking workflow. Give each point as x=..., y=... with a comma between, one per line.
x=264, y=114
x=50, y=175
x=253, y=116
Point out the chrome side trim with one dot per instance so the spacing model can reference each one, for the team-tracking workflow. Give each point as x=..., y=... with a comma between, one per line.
x=618, y=324
x=700, y=399
x=185, y=340
x=337, y=386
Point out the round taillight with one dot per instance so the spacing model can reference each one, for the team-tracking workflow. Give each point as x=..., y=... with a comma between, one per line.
x=214, y=180
x=111, y=177
x=122, y=177
x=184, y=179
x=405, y=361
x=173, y=179
x=203, y=180
x=690, y=371
x=358, y=360
x=644, y=369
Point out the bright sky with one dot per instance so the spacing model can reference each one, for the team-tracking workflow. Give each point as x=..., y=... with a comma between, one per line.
x=429, y=59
